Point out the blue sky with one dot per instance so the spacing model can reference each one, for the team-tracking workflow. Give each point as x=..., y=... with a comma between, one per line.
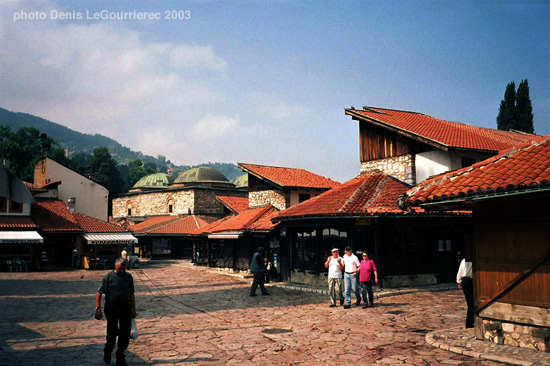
x=267, y=82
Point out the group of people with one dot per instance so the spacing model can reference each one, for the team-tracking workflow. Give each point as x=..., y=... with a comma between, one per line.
x=355, y=273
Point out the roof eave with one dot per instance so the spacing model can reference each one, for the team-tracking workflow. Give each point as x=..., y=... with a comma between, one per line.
x=403, y=132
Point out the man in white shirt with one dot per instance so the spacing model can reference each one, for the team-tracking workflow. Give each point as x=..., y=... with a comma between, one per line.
x=466, y=283
x=351, y=271
x=335, y=265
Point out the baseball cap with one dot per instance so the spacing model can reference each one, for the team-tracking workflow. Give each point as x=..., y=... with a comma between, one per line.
x=348, y=247
x=334, y=250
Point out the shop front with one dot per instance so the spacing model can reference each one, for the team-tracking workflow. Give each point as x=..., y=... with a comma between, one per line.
x=100, y=250
x=17, y=250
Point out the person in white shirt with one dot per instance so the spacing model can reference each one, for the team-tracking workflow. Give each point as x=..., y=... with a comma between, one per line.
x=335, y=265
x=351, y=272
x=466, y=283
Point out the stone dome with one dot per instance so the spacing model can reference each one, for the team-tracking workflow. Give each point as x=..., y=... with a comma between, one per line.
x=201, y=174
x=241, y=181
x=156, y=180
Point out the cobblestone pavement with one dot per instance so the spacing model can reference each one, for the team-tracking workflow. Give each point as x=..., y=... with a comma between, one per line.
x=195, y=315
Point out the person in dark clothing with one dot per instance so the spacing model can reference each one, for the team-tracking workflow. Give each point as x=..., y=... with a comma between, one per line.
x=257, y=267
x=120, y=307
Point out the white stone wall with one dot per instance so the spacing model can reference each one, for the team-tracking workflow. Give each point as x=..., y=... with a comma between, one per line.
x=155, y=203
x=400, y=167
x=265, y=197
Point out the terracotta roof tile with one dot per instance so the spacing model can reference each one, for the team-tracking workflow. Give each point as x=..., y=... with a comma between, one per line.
x=451, y=134
x=289, y=177
x=183, y=225
x=152, y=222
x=252, y=219
x=93, y=225
x=235, y=204
x=52, y=215
x=368, y=194
x=526, y=167
x=17, y=222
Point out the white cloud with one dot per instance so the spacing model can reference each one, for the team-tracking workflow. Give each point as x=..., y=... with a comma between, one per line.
x=214, y=126
x=282, y=110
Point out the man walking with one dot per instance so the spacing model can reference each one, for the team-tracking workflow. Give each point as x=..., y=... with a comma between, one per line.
x=257, y=267
x=335, y=266
x=351, y=268
x=120, y=307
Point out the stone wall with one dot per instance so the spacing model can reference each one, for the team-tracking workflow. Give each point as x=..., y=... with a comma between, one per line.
x=264, y=197
x=155, y=203
x=401, y=167
x=537, y=338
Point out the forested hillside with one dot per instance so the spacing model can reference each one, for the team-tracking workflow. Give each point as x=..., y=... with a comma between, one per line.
x=76, y=142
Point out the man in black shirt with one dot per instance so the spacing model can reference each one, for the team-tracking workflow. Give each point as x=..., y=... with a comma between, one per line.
x=120, y=307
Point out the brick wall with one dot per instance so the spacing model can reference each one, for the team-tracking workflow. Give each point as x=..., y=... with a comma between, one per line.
x=401, y=167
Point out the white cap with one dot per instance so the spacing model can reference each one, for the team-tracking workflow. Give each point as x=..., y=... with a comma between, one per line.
x=334, y=250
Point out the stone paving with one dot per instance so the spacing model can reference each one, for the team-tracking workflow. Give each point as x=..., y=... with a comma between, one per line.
x=196, y=315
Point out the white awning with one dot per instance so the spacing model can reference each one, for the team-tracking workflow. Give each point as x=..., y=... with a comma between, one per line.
x=112, y=238
x=224, y=236
x=20, y=237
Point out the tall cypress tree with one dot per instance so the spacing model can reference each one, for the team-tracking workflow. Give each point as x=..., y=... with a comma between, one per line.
x=507, y=110
x=524, y=110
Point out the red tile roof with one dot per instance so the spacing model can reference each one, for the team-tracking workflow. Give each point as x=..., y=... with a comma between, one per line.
x=17, y=222
x=183, y=225
x=365, y=195
x=253, y=219
x=52, y=215
x=521, y=169
x=235, y=204
x=152, y=222
x=289, y=177
x=449, y=134
x=34, y=188
x=93, y=225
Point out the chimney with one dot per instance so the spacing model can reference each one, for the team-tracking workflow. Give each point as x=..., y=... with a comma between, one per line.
x=71, y=202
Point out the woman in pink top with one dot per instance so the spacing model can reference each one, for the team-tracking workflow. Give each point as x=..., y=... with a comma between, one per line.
x=366, y=271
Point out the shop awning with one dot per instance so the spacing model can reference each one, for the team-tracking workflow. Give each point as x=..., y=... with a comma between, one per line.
x=232, y=235
x=20, y=237
x=112, y=238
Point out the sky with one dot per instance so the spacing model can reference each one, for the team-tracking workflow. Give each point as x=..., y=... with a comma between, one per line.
x=266, y=82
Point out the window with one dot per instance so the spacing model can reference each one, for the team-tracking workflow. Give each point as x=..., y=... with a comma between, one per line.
x=466, y=161
x=16, y=207
x=303, y=197
x=444, y=245
x=306, y=249
x=170, y=209
x=129, y=208
x=129, y=212
x=170, y=203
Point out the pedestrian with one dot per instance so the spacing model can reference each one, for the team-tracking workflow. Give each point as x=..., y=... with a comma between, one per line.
x=335, y=266
x=257, y=267
x=351, y=269
x=120, y=307
x=466, y=283
x=367, y=272
x=124, y=253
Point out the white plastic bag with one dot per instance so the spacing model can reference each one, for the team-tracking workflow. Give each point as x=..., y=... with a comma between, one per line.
x=133, y=329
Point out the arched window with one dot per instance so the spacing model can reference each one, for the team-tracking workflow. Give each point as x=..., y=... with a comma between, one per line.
x=129, y=208
x=170, y=204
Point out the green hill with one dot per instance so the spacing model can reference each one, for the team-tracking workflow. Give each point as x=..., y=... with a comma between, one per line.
x=75, y=142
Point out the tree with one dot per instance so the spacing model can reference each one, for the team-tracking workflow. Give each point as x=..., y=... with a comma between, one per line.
x=524, y=110
x=102, y=168
x=516, y=112
x=507, y=111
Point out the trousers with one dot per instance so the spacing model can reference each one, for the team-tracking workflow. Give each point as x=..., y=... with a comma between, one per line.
x=335, y=290
x=351, y=284
x=118, y=325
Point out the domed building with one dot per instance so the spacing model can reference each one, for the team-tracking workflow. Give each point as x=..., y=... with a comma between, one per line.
x=241, y=182
x=153, y=181
x=205, y=176
x=193, y=191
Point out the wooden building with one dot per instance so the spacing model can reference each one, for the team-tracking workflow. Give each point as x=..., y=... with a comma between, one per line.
x=509, y=195
x=410, y=248
x=412, y=146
